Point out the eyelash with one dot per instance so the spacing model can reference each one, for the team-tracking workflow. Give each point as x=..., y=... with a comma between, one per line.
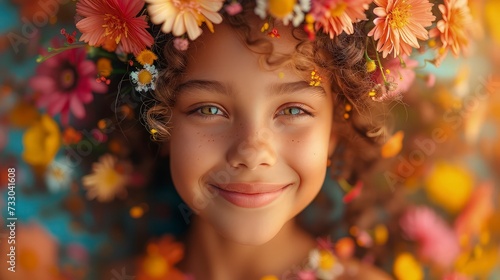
x=303, y=113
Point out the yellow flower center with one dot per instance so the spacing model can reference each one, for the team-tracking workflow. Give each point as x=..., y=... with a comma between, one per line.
x=58, y=173
x=114, y=27
x=326, y=260
x=155, y=266
x=399, y=17
x=338, y=9
x=28, y=259
x=144, y=77
x=189, y=5
x=280, y=8
x=110, y=177
x=67, y=78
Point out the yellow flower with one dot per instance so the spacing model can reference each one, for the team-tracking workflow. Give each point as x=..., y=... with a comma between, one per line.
x=370, y=66
x=279, y=8
x=480, y=265
x=491, y=13
x=326, y=260
x=269, y=277
x=146, y=57
x=41, y=141
x=407, y=268
x=449, y=186
x=104, y=67
x=108, y=178
x=393, y=146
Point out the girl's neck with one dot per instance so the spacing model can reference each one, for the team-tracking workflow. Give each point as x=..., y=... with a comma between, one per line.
x=211, y=256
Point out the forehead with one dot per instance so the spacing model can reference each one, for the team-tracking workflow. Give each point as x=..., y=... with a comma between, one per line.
x=227, y=49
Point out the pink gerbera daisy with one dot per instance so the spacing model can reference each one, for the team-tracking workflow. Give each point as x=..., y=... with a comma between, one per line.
x=436, y=240
x=113, y=23
x=65, y=82
x=397, y=78
x=335, y=16
x=399, y=24
x=453, y=29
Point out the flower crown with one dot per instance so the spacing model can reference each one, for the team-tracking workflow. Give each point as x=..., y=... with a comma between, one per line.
x=118, y=30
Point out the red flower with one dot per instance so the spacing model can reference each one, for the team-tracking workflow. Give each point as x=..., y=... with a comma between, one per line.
x=114, y=23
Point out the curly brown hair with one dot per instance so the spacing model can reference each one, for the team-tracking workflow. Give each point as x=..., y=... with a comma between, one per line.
x=342, y=62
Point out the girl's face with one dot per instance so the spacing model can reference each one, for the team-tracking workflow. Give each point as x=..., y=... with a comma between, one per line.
x=249, y=146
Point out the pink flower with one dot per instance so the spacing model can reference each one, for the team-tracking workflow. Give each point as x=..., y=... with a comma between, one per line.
x=66, y=82
x=335, y=16
x=181, y=44
x=430, y=80
x=477, y=211
x=399, y=76
x=399, y=24
x=306, y=275
x=234, y=8
x=112, y=23
x=437, y=241
x=453, y=29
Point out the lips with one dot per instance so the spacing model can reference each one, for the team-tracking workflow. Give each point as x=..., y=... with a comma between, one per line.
x=250, y=195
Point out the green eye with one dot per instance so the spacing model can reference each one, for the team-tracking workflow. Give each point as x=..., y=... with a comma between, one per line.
x=210, y=110
x=292, y=111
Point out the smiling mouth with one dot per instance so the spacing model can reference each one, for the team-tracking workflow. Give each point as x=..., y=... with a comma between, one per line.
x=250, y=195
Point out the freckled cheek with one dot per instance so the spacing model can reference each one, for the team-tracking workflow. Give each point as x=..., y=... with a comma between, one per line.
x=195, y=147
x=308, y=155
x=193, y=154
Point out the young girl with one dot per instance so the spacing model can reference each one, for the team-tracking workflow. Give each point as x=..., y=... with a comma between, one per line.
x=252, y=120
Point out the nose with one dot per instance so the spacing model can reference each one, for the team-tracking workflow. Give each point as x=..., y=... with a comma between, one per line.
x=252, y=148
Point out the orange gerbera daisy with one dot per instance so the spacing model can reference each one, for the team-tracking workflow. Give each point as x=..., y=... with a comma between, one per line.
x=399, y=24
x=160, y=260
x=181, y=16
x=335, y=16
x=113, y=23
x=453, y=29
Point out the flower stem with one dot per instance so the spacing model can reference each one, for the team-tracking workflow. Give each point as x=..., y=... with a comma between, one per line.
x=54, y=52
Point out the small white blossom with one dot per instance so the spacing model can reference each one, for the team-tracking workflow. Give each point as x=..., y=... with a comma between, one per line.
x=145, y=79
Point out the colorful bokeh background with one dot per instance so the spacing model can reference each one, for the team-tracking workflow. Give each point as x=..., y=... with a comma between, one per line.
x=430, y=211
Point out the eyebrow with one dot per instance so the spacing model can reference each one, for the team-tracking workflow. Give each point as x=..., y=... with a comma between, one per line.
x=295, y=87
x=278, y=89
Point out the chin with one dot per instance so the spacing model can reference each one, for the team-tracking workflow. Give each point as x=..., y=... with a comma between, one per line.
x=252, y=228
x=251, y=238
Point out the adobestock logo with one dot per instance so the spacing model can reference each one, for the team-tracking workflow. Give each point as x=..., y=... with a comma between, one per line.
x=30, y=27
x=455, y=119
